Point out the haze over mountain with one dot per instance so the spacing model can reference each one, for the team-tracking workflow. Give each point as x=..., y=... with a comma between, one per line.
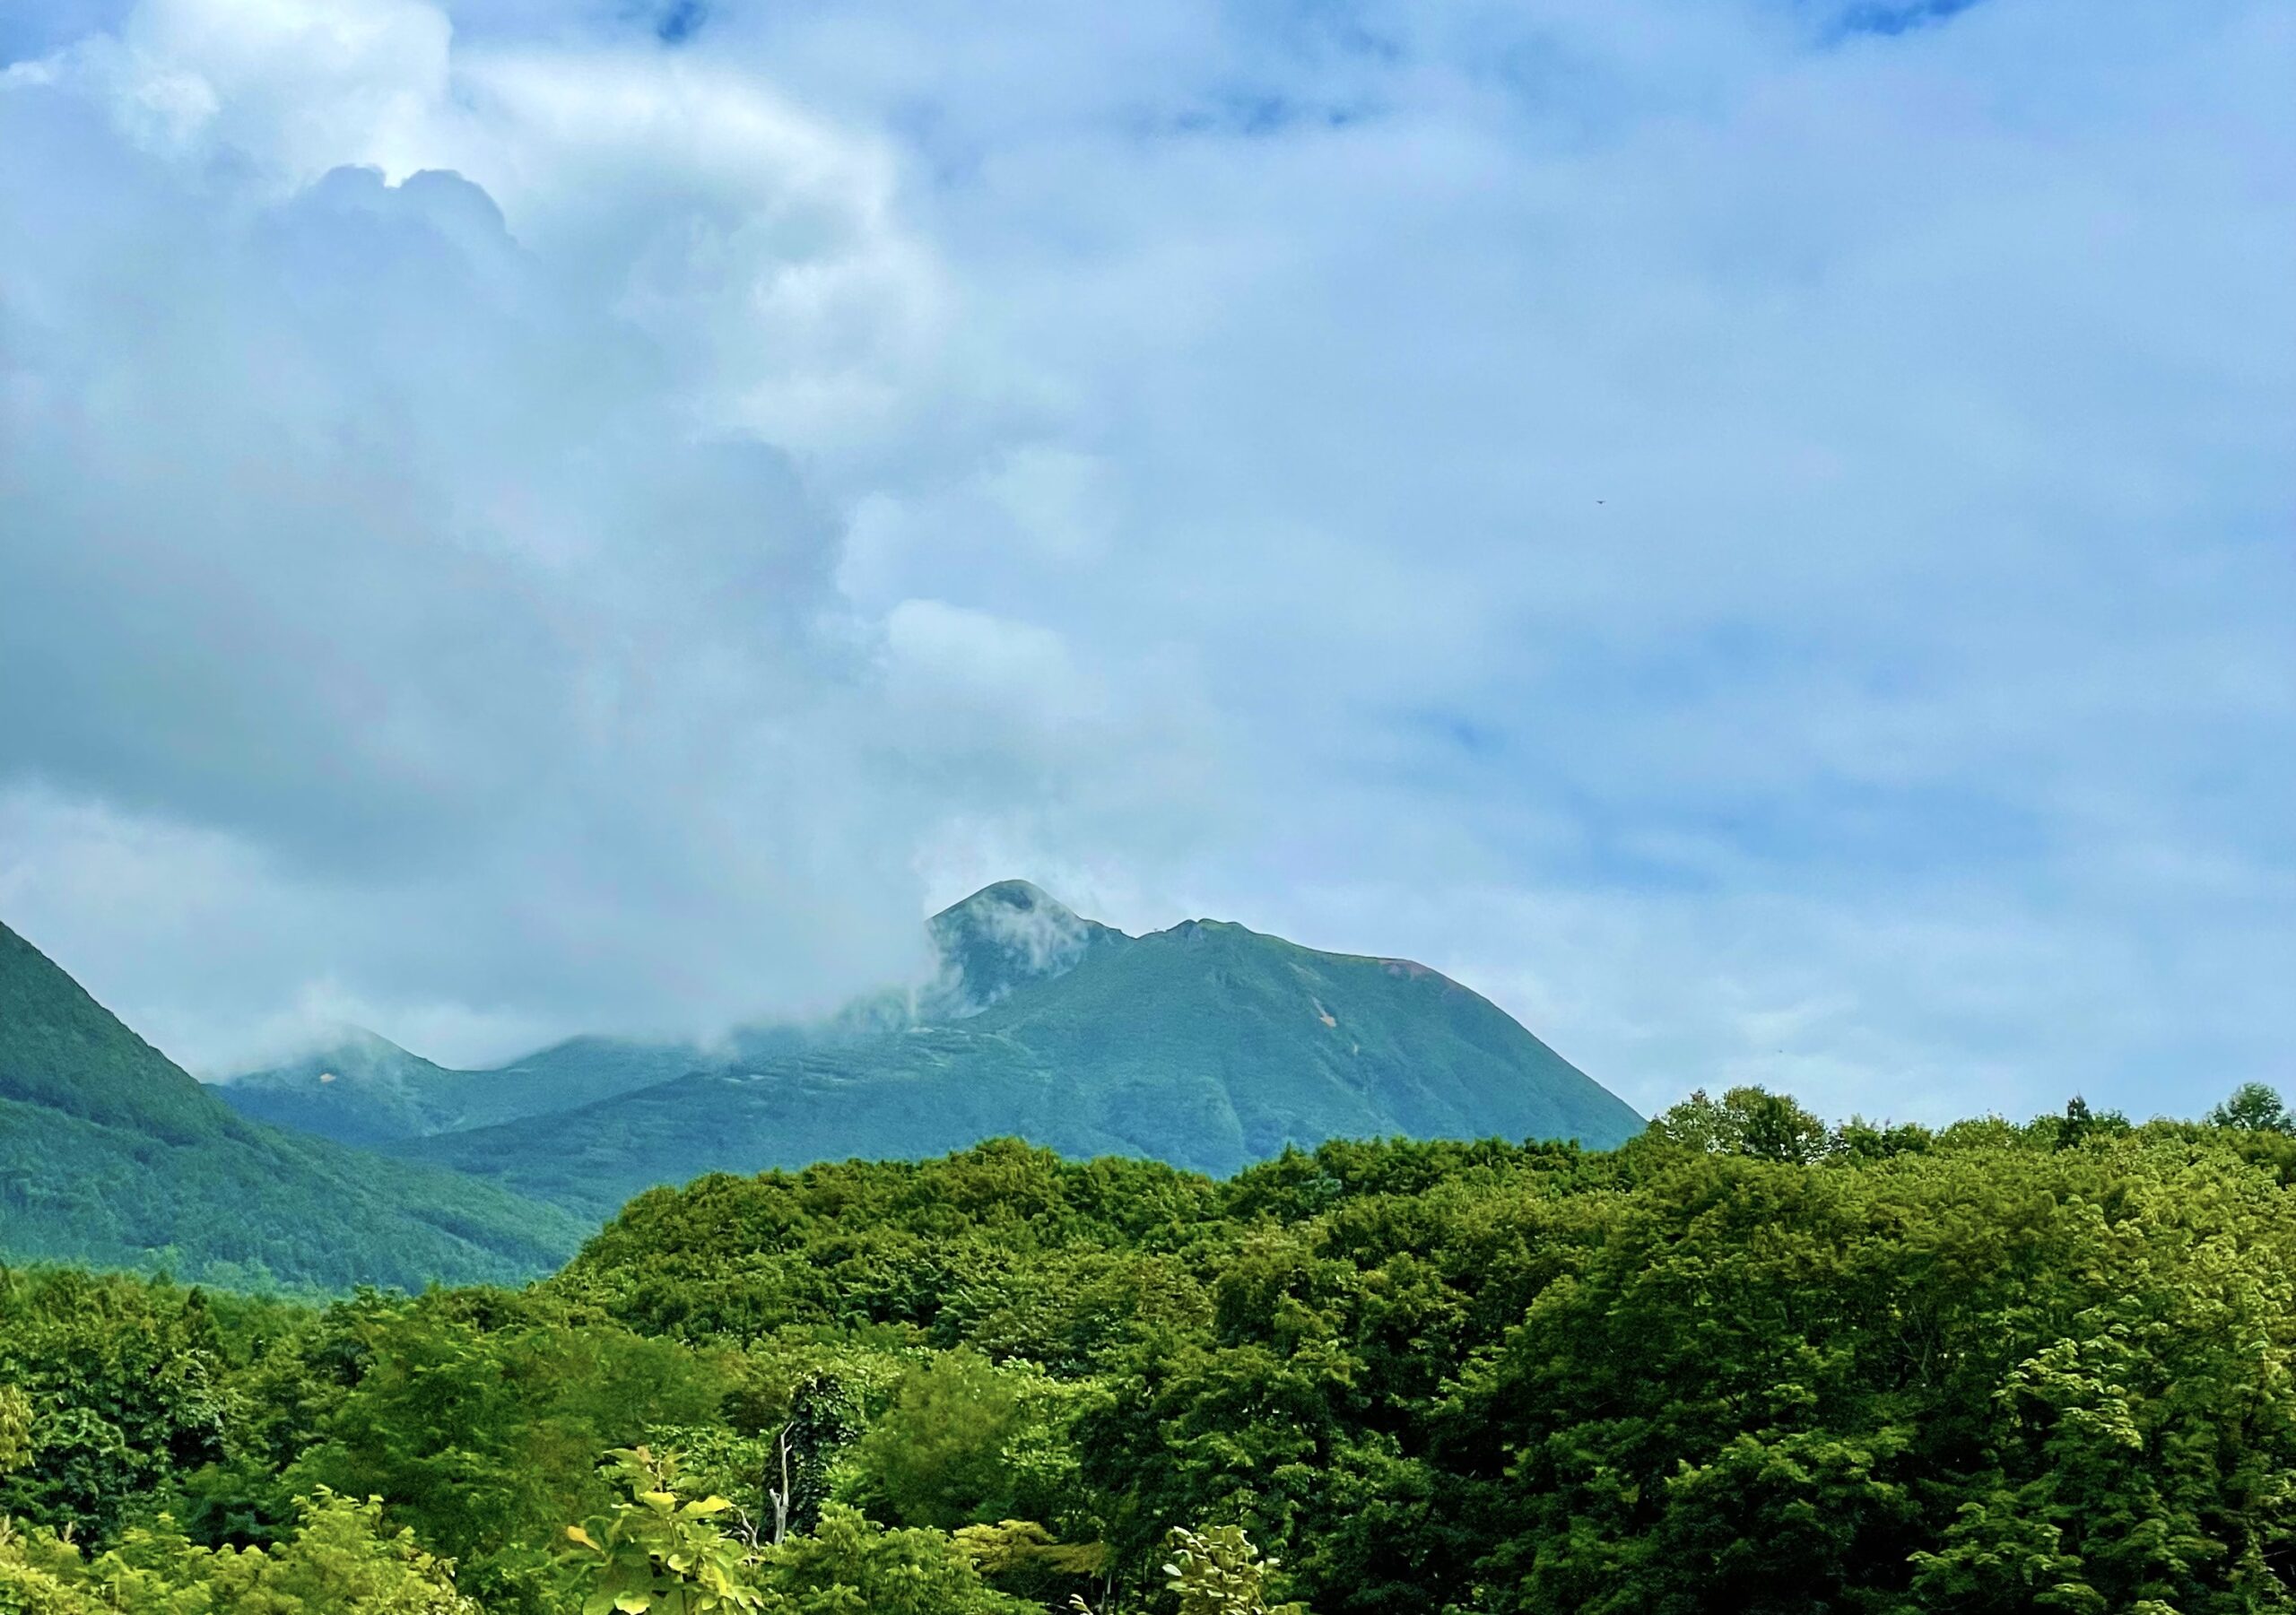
x=362, y=1089
x=1208, y=1046
x=112, y=1155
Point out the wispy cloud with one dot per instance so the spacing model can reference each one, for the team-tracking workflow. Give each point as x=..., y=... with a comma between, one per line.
x=1892, y=16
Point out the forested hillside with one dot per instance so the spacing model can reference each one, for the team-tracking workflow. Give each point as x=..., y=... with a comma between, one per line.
x=1745, y=1362
x=111, y=1154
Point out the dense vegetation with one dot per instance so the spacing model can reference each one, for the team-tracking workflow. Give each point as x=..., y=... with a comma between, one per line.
x=1745, y=1362
x=111, y=1154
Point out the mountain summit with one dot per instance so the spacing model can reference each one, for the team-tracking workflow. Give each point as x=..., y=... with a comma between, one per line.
x=1006, y=937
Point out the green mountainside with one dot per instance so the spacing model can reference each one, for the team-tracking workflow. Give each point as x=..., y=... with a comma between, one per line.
x=1207, y=1046
x=111, y=1154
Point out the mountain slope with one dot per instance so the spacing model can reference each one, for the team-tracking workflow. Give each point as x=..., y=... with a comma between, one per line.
x=1208, y=1046
x=110, y=1154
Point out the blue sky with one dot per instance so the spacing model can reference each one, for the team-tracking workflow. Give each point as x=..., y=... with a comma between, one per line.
x=1757, y=534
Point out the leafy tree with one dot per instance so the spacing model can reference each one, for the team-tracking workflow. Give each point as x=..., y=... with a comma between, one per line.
x=658, y=1553
x=341, y=1560
x=1010, y=1545
x=822, y=1423
x=124, y=1381
x=2253, y=1108
x=1860, y=1141
x=15, y=1427
x=1992, y=1368
x=665, y=1552
x=1217, y=1571
x=2079, y=1124
x=483, y=1440
x=850, y=1563
x=938, y=1457
x=41, y=1574
x=1744, y=1121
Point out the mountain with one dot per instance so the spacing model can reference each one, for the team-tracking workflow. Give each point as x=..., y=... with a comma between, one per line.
x=364, y=1089
x=111, y=1154
x=1208, y=1046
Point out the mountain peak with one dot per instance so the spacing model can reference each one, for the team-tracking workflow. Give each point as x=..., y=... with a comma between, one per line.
x=1023, y=895
x=1005, y=937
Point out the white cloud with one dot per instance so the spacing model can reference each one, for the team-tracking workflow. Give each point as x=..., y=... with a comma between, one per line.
x=1768, y=551
x=291, y=83
x=427, y=561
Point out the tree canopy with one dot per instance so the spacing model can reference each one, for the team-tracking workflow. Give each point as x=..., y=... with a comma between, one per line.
x=1744, y=1362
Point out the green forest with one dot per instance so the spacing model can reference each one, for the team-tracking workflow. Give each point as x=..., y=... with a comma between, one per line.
x=1744, y=1362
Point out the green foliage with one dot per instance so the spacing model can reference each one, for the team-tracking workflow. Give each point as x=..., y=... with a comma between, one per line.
x=118, y=1387
x=964, y=1441
x=658, y=1553
x=2079, y=1124
x=1022, y=1557
x=2253, y=1108
x=341, y=1560
x=1218, y=1572
x=852, y=1565
x=1787, y=1388
x=483, y=1431
x=1015, y=1547
x=938, y=1454
x=822, y=1423
x=1055, y=1256
x=1734, y=1365
x=665, y=1552
x=1745, y=1121
x=15, y=1427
